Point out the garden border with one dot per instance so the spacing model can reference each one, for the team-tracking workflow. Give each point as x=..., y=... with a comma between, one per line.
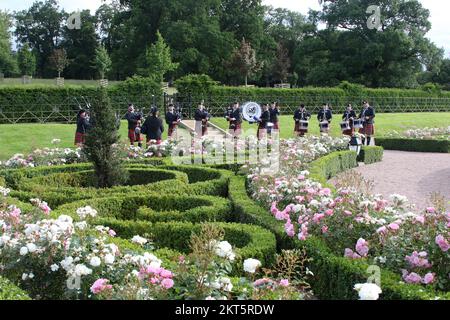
x=414, y=145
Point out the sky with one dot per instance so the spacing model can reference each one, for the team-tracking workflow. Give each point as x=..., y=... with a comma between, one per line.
x=440, y=23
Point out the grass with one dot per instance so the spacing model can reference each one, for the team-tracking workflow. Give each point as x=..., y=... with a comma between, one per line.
x=24, y=138
x=384, y=123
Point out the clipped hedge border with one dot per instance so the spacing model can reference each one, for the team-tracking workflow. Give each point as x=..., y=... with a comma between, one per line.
x=9, y=291
x=414, y=145
x=330, y=165
x=335, y=276
x=154, y=208
x=370, y=155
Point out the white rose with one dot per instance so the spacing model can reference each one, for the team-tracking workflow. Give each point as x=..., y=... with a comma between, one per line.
x=109, y=259
x=224, y=249
x=95, y=261
x=54, y=267
x=31, y=247
x=139, y=240
x=250, y=265
x=82, y=270
x=23, y=251
x=368, y=291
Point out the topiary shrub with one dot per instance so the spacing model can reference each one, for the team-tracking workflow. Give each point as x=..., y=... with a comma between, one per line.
x=370, y=155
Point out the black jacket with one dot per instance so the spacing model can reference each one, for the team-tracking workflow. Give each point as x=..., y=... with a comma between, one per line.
x=369, y=112
x=133, y=118
x=201, y=115
x=325, y=115
x=153, y=128
x=171, y=118
x=83, y=125
x=265, y=118
x=302, y=115
x=236, y=114
x=274, y=113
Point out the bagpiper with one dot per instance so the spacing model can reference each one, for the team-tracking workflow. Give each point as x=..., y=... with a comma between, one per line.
x=274, y=116
x=201, y=117
x=134, y=121
x=263, y=121
x=368, y=116
x=172, y=119
x=83, y=126
x=235, y=119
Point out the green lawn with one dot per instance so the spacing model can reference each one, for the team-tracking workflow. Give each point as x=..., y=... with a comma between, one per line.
x=384, y=123
x=24, y=138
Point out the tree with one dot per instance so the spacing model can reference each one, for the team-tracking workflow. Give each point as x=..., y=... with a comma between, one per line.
x=26, y=60
x=244, y=60
x=41, y=28
x=282, y=64
x=101, y=147
x=81, y=45
x=7, y=61
x=59, y=61
x=158, y=60
x=102, y=61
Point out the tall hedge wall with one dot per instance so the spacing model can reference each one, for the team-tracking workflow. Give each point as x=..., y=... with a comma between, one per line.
x=53, y=104
x=385, y=100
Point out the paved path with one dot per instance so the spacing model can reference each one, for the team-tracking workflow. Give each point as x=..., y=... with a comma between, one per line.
x=213, y=131
x=412, y=174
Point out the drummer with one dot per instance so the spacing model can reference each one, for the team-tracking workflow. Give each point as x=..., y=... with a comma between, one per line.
x=301, y=115
x=263, y=121
x=274, y=116
x=349, y=116
x=325, y=116
x=368, y=116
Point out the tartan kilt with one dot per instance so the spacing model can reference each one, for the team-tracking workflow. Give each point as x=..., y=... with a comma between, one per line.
x=349, y=132
x=172, y=129
x=133, y=137
x=276, y=126
x=80, y=138
x=368, y=130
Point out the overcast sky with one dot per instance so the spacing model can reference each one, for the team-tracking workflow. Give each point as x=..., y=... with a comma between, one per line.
x=440, y=33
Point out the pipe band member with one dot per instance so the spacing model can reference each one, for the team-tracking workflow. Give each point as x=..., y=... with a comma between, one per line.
x=134, y=120
x=325, y=116
x=349, y=115
x=235, y=120
x=153, y=127
x=262, y=122
x=301, y=114
x=274, y=115
x=172, y=119
x=83, y=126
x=368, y=116
x=201, y=117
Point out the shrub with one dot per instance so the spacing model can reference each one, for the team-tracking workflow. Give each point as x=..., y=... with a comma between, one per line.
x=414, y=145
x=329, y=166
x=9, y=291
x=370, y=155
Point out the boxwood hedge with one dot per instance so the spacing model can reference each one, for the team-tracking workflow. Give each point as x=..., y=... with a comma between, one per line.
x=414, y=145
x=9, y=291
x=370, y=155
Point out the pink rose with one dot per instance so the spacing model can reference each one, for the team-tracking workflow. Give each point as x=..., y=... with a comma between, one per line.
x=284, y=283
x=362, y=247
x=100, y=285
x=166, y=274
x=431, y=210
x=420, y=219
x=412, y=278
x=394, y=226
x=324, y=229
x=442, y=243
x=329, y=212
x=428, y=278
x=167, y=283
x=382, y=230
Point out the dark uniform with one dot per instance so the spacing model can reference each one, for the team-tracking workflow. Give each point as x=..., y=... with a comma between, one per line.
x=325, y=115
x=349, y=116
x=368, y=116
x=265, y=118
x=172, y=120
x=235, y=124
x=274, y=113
x=83, y=126
x=133, y=119
x=153, y=128
x=301, y=115
x=201, y=122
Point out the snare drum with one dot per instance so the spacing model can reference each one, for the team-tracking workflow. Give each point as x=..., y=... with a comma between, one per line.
x=358, y=124
x=345, y=126
x=324, y=126
x=270, y=125
x=304, y=124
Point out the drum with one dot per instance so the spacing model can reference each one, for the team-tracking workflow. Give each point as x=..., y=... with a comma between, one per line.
x=270, y=125
x=324, y=126
x=345, y=126
x=358, y=124
x=304, y=124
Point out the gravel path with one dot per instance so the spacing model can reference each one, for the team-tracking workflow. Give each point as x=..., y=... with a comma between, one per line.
x=412, y=174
